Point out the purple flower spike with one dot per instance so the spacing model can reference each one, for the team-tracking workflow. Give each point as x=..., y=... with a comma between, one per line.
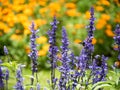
x=91, y=25
x=1, y=77
x=53, y=50
x=19, y=84
x=34, y=53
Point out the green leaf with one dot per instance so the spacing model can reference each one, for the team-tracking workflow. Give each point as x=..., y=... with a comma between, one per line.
x=111, y=83
x=101, y=86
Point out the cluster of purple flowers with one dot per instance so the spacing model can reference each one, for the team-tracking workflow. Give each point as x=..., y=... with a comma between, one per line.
x=73, y=70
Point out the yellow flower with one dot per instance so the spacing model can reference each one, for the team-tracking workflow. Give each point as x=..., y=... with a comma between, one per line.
x=99, y=8
x=40, y=22
x=43, y=11
x=70, y=5
x=42, y=2
x=45, y=47
x=105, y=17
x=94, y=41
x=87, y=14
x=77, y=41
x=54, y=6
x=26, y=31
x=16, y=37
x=27, y=11
x=41, y=40
x=42, y=52
x=109, y=33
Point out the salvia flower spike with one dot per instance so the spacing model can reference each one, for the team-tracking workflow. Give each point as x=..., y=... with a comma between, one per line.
x=53, y=50
x=34, y=53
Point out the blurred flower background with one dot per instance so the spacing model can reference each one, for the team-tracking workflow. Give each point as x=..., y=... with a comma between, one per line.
x=17, y=15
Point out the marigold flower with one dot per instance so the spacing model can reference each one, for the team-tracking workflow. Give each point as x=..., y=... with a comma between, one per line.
x=99, y=8
x=77, y=41
x=70, y=5
x=105, y=17
x=109, y=33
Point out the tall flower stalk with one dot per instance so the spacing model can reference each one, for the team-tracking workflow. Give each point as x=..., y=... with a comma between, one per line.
x=65, y=68
x=53, y=50
x=34, y=53
x=85, y=57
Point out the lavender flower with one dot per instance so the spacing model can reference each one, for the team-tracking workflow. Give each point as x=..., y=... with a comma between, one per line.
x=33, y=54
x=7, y=78
x=1, y=77
x=53, y=50
x=19, y=84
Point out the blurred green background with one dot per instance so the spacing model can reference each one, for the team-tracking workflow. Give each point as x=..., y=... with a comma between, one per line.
x=17, y=15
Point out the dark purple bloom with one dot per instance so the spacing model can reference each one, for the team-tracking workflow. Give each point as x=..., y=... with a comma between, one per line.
x=53, y=49
x=19, y=78
x=1, y=77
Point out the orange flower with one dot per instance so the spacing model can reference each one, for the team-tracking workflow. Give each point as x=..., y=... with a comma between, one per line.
x=109, y=33
x=70, y=5
x=77, y=41
x=42, y=2
x=99, y=8
x=72, y=13
x=43, y=11
x=100, y=24
x=78, y=26
x=105, y=2
x=94, y=41
x=105, y=17
x=42, y=52
x=26, y=31
x=108, y=26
